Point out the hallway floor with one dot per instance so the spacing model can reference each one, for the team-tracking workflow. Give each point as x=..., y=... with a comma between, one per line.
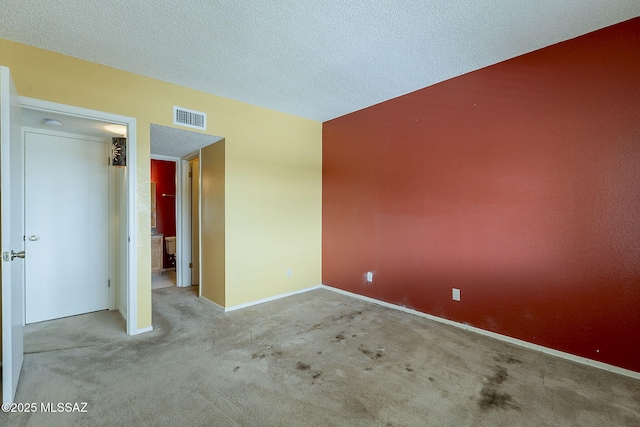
x=166, y=279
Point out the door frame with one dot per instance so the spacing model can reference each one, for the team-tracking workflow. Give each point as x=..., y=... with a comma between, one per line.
x=132, y=192
x=186, y=207
x=182, y=263
x=183, y=216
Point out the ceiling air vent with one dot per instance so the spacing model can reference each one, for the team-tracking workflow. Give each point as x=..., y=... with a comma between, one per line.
x=189, y=118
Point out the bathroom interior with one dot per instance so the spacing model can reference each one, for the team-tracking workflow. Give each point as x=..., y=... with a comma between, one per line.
x=163, y=223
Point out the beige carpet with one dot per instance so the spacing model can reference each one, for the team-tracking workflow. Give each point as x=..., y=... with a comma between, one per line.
x=315, y=359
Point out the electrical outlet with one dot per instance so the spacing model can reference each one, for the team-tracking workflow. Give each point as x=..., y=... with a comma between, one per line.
x=369, y=276
x=455, y=294
x=289, y=272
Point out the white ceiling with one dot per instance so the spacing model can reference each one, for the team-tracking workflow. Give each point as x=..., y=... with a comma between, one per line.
x=165, y=141
x=172, y=142
x=71, y=124
x=318, y=59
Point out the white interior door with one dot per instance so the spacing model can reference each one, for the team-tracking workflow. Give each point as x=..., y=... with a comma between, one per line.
x=11, y=232
x=67, y=226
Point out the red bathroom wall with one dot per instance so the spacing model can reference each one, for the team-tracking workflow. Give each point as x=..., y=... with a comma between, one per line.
x=163, y=173
x=519, y=184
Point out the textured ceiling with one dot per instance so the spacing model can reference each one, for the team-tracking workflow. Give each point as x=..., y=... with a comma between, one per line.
x=319, y=58
x=71, y=124
x=165, y=141
x=172, y=142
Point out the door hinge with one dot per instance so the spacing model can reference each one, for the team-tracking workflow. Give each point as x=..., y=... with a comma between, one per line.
x=190, y=265
x=109, y=283
x=108, y=161
x=190, y=174
x=24, y=238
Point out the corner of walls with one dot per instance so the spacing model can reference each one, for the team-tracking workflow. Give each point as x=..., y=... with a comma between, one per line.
x=516, y=184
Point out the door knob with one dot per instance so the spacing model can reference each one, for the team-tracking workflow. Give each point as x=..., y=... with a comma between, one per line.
x=17, y=255
x=33, y=237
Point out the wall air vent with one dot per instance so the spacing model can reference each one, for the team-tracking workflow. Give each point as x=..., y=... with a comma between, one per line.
x=189, y=118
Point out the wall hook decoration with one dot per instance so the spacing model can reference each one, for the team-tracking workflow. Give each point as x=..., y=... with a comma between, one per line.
x=119, y=151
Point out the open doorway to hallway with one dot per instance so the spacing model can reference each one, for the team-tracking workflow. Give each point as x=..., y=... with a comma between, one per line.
x=175, y=178
x=163, y=223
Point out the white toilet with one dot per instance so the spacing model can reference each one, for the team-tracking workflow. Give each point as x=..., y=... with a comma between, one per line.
x=170, y=247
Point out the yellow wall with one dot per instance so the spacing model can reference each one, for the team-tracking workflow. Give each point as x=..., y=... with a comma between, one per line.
x=212, y=241
x=273, y=169
x=274, y=218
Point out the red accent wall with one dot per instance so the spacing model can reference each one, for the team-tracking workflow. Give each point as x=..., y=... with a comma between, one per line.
x=163, y=173
x=519, y=184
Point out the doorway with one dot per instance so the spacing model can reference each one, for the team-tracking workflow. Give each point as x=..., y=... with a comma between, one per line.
x=164, y=255
x=182, y=147
x=13, y=221
x=122, y=219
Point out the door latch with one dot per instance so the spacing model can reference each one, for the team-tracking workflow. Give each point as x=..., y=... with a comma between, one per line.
x=17, y=255
x=9, y=256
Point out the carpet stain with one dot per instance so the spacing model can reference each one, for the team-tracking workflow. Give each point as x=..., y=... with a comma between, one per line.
x=236, y=369
x=302, y=366
x=340, y=337
x=315, y=327
x=491, y=397
x=373, y=355
x=356, y=406
x=348, y=316
x=499, y=375
x=506, y=358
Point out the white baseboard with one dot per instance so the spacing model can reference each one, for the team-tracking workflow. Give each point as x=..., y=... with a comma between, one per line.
x=122, y=313
x=288, y=294
x=518, y=342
